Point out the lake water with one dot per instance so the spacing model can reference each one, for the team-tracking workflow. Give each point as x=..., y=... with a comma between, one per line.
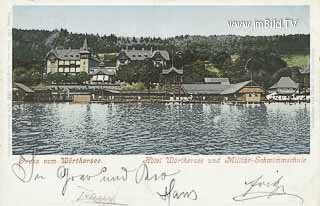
x=141, y=128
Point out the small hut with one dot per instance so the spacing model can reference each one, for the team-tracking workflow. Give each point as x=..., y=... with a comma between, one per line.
x=42, y=93
x=285, y=87
x=21, y=92
x=172, y=78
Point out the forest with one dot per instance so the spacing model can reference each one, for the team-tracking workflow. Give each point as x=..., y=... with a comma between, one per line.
x=199, y=56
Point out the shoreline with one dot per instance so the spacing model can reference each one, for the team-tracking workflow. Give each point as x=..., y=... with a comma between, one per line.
x=167, y=102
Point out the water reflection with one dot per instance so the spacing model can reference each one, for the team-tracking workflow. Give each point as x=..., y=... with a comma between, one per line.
x=66, y=128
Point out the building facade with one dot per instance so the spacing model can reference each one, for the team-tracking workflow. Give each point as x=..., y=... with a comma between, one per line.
x=70, y=61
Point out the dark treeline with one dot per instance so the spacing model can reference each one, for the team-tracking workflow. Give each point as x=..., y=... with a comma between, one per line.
x=195, y=54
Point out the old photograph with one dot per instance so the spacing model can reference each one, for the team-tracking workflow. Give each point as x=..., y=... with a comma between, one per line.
x=169, y=80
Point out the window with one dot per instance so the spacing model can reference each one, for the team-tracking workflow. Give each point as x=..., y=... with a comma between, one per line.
x=100, y=77
x=78, y=69
x=134, y=55
x=61, y=62
x=72, y=69
x=66, y=62
x=60, y=69
x=139, y=55
x=72, y=62
x=78, y=63
x=66, y=69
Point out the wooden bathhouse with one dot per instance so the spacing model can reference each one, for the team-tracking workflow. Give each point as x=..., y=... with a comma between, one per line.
x=247, y=91
x=222, y=90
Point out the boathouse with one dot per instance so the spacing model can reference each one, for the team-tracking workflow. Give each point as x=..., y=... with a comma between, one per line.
x=247, y=91
x=222, y=90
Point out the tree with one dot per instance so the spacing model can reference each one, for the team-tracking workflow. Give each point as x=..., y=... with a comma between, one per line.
x=82, y=77
x=58, y=78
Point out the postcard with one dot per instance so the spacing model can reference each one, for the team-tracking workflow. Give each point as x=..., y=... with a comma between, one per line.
x=171, y=103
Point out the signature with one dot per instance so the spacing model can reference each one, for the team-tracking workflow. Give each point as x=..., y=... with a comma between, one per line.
x=141, y=174
x=90, y=196
x=259, y=188
x=26, y=172
x=170, y=193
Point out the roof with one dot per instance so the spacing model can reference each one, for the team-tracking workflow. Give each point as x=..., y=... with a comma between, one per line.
x=65, y=54
x=215, y=88
x=138, y=55
x=164, y=54
x=204, y=88
x=233, y=88
x=216, y=80
x=71, y=54
x=23, y=87
x=40, y=86
x=105, y=71
x=172, y=69
x=285, y=82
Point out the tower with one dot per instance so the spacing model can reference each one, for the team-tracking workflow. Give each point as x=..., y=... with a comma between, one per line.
x=85, y=56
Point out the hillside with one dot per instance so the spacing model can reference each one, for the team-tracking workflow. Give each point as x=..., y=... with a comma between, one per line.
x=299, y=60
x=223, y=56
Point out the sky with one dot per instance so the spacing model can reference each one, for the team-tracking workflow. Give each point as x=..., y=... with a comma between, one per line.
x=159, y=21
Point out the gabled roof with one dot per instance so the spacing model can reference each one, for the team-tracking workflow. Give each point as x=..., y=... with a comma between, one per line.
x=40, y=87
x=23, y=87
x=210, y=80
x=137, y=54
x=70, y=54
x=204, y=88
x=172, y=69
x=65, y=54
x=164, y=54
x=285, y=82
x=233, y=88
